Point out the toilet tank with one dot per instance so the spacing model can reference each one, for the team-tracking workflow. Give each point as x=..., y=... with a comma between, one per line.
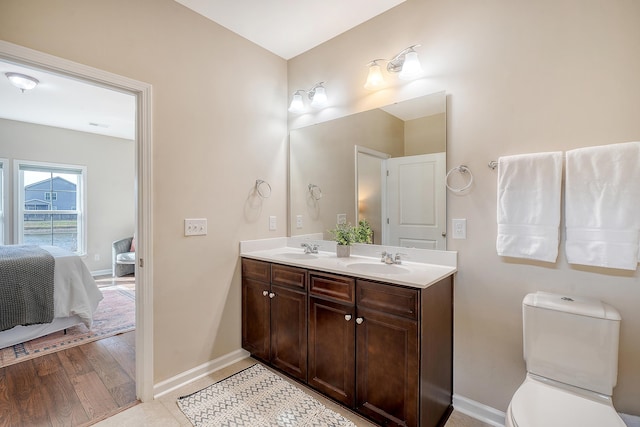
x=571, y=339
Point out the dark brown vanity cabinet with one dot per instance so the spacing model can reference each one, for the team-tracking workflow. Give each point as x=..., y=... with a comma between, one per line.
x=332, y=336
x=381, y=349
x=274, y=315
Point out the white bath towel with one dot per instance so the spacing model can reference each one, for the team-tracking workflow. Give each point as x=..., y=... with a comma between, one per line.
x=602, y=205
x=529, y=189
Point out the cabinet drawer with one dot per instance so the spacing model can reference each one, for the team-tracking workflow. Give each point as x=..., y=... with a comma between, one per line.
x=388, y=298
x=332, y=286
x=288, y=276
x=258, y=270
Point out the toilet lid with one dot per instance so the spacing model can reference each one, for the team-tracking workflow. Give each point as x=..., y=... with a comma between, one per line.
x=537, y=404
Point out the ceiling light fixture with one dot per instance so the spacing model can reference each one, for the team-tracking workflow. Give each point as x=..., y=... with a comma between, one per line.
x=317, y=94
x=22, y=81
x=406, y=63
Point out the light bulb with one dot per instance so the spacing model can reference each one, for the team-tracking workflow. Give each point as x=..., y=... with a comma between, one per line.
x=411, y=67
x=374, y=79
x=297, y=106
x=319, y=97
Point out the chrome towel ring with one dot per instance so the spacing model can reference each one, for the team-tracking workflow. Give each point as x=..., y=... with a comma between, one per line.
x=463, y=170
x=263, y=188
x=316, y=192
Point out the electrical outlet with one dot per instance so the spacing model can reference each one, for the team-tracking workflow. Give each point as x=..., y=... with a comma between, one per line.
x=272, y=223
x=298, y=221
x=342, y=219
x=459, y=228
x=195, y=227
x=96, y=257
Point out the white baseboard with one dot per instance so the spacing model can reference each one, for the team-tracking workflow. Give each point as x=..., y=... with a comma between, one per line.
x=478, y=411
x=101, y=273
x=198, y=372
x=496, y=418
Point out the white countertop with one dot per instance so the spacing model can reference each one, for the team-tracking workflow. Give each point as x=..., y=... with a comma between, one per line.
x=414, y=274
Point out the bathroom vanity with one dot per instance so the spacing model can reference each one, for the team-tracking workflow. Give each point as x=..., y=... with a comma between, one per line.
x=377, y=338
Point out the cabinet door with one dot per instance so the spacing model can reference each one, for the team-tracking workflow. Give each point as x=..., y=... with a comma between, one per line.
x=387, y=368
x=289, y=331
x=255, y=318
x=332, y=349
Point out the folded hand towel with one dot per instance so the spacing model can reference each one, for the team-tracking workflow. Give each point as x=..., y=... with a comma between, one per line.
x=529, y=188
x=602, y=205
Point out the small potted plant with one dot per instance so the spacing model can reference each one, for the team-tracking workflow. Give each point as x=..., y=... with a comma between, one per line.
x=364, y=233
x=344, y=235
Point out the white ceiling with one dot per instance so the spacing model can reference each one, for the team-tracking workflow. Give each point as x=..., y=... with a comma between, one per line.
x=284, y=27
x=67, y=103
x=289, y=27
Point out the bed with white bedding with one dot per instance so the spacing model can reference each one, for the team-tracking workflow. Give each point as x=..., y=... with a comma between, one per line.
x=75, y=299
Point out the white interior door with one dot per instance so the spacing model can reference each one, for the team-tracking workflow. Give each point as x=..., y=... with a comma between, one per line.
x=416, y=202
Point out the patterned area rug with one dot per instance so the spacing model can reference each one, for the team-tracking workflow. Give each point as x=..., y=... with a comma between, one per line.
x=115, y=315
x=256, y=397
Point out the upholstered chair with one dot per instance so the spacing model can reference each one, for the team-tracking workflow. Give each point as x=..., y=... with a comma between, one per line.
x=123, y=257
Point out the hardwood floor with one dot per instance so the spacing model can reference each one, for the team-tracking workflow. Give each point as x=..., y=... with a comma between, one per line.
x=73, y=387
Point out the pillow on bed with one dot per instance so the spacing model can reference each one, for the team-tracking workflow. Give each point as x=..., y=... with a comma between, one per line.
x=133, y=245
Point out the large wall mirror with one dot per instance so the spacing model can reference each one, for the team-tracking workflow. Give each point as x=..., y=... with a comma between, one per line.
x=385, y=165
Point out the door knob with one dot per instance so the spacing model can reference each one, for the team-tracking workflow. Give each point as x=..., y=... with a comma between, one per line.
x=271, y=295
x=347, y=317
x=265, y=293
x=359, y=320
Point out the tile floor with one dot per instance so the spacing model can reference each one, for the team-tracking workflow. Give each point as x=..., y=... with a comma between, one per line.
x=165, y=412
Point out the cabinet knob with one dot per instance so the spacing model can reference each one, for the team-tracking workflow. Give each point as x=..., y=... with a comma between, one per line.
x=359, y=320
x=347, y=317
x=265, y=293
x=271, y=295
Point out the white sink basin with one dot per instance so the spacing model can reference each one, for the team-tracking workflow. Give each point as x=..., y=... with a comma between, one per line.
x=375, y=268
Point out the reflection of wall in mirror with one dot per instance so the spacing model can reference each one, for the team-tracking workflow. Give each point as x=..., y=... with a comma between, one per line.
x=426, y=135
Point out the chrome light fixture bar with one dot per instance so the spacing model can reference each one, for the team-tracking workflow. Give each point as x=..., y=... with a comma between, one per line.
x=22, y=81
x=405, y=63
x=317, y=94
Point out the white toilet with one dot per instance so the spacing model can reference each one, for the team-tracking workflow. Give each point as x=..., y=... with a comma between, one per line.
x=571, y=352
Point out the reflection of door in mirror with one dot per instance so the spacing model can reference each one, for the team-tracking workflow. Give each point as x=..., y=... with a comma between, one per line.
x=370, y=189
x=416, y=202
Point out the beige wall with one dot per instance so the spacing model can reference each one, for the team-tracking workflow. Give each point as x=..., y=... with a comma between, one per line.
x=219, y=123
x=110, y=177
x=521, y=77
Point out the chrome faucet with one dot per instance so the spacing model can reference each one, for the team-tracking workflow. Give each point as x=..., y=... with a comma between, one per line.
x=389, y=258
x=310, y=248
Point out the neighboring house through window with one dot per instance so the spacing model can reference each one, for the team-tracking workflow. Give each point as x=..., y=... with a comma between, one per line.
x=51, y=205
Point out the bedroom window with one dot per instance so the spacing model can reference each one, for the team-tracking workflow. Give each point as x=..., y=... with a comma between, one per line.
x=40, y=221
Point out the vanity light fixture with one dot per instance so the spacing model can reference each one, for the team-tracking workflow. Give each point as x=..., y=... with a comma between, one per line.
x=406, y=63
x=317, y=94
x=22, y=81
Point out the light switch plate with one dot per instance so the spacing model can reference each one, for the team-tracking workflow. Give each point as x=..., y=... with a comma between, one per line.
x=341, y=219
x=459, y=228
x=298, y=221
x=195, y=227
